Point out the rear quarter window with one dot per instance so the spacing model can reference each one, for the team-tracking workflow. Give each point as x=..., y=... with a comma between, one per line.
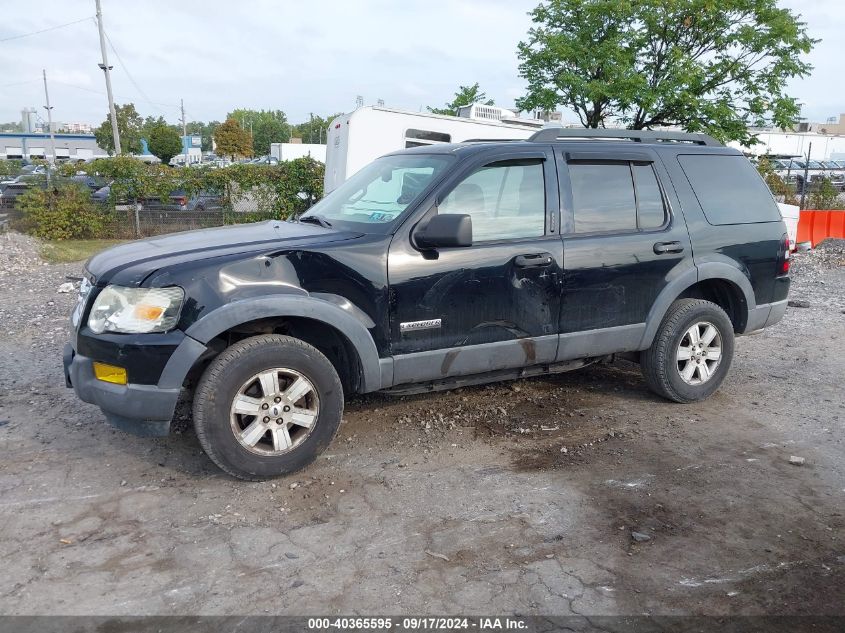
x=729, y=189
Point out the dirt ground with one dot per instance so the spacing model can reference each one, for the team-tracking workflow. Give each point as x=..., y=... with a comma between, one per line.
x=515, y=498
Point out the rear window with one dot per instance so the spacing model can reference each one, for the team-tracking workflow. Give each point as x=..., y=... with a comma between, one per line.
x=729, y=189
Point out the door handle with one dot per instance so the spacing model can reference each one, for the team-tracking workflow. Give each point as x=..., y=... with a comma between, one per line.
x=668, y=247
x=536, y=260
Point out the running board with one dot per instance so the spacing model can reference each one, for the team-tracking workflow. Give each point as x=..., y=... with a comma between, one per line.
x=489, y=377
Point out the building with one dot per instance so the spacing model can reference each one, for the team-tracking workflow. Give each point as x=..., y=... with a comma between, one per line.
x=29, y=120
x=76, y=128
x=68, y=146
x=192, y=146
x=789, y=143
x=832, y=127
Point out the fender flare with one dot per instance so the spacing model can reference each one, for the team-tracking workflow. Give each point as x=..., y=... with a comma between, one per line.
x=347, y=321
x=704, y=271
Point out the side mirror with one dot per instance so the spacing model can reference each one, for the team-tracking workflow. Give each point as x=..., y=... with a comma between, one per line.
x=450, y=229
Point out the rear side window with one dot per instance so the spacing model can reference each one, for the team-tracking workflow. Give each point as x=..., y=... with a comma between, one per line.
x=615, y=197
x=729, y=189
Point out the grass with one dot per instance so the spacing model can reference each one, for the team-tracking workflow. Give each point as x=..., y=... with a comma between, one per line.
x=65, y=251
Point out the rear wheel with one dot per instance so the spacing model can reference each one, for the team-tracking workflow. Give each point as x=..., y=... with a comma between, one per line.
x=267, y=406
x=692, y=352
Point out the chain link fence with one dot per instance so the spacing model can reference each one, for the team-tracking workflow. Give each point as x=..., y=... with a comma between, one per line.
x=194, y=199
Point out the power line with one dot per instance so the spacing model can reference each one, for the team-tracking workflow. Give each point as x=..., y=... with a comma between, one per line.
x=100, y=92
x=128, y=74
x=52, y=28
x=20, y=83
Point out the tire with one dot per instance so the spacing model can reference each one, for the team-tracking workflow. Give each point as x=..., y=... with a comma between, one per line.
x=664, y=366
x=305, y=425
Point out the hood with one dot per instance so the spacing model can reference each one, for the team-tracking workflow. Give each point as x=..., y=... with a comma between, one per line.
x=141, y=258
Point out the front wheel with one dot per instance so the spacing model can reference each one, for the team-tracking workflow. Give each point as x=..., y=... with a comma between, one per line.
x=267, y=406
x=692, y=352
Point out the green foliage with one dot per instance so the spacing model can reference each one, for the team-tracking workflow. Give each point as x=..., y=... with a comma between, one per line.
x=150, y=123
x=164, y=142
x=777, y=185
x=13, y=127
x=706, y=66
x=314, y=130
x=266, y=126
x=823, y=195
x=10, y=167
x=132, y=179
x=63, y=213
x=232, y=140
x=466, y=95
x=129, y=125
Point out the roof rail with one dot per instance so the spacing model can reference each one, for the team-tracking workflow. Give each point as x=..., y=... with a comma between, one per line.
x=488, y=140
x=640, y=136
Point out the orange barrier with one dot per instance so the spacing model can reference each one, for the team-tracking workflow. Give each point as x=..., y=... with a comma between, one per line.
x=815, y=226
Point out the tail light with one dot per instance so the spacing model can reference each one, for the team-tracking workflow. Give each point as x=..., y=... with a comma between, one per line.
x=783, y=260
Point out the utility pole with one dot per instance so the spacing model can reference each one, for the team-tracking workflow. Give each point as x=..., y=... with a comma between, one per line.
x=49, y=109
x=106, y=70
x=184, y=132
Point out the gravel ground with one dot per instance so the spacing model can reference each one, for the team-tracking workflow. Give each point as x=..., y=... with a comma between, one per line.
x=575, y=494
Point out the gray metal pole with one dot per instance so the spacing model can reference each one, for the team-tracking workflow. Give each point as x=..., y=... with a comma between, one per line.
x=805, y=184
x=184, y=132
x=49, y=109
x=106, y=70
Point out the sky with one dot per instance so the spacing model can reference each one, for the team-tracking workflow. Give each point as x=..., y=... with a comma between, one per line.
x=302, y=57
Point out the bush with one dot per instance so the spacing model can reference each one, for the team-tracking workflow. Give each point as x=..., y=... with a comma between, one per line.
x=823, y=195
x=64, y=213
x=778, y=186
x=10, y=167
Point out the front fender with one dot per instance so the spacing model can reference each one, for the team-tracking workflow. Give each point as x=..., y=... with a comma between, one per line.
x=347, y=319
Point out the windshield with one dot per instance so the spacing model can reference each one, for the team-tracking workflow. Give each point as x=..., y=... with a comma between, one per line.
x=372, y=199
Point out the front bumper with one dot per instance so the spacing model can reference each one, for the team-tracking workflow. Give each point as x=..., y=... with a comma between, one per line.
x=140, y=409
x=145, y=410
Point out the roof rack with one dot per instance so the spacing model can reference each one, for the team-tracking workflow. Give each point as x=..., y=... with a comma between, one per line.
x=640, y=136
x=489, y=140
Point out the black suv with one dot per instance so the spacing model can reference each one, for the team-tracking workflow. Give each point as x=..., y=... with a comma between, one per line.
x=431, y=268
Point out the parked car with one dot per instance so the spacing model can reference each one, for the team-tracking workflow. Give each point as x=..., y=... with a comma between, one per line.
x=94, y=183
x=179, y=200
x=835, y=173
x=432, y=268
x=10, y=192
x=101, y=195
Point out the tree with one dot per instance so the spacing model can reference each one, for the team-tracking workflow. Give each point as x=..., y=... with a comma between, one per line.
x=315, y=129
x=705, y=66
x=164, y=142
x=232, y=140
x=466, y=95
x=823, y=195
x=129, y=124
x=266, y=126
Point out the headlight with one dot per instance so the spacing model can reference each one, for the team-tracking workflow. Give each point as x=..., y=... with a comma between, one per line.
x=136, y=310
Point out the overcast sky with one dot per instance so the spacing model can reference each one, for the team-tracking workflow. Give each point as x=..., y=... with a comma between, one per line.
x=302, y=57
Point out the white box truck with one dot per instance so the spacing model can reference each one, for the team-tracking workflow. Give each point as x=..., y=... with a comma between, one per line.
x=290, y=151
x=358, y=138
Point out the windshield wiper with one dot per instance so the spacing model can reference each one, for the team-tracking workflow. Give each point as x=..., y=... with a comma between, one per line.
x=317, y=219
